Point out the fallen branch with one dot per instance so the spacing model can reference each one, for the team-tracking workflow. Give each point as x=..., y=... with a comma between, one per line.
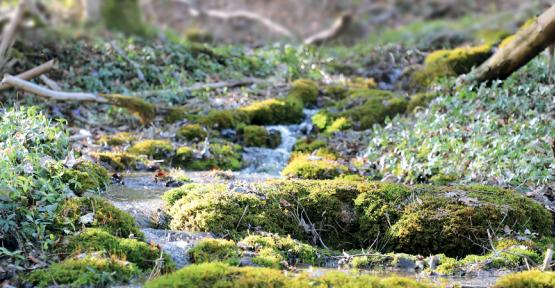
x=50, y=83
x=44, y=92
x=339, y=26
x=548, y=258
x=203, y=86
x=239, y=14
x=32, y=73
x=8, y=34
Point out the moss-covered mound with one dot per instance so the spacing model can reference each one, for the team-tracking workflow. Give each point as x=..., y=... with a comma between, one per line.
x=349, y=214
x=96, y=212
x=222, y=275
x=145, y=256
x=275, y=111
x=156, y=149
x=259, y=136
x=117, y=139
x=309, y=145
x=313, y=167
x=192, y=132
x=215, y=250
x=528, y=279
x=273, y=250
x=89, y=271
x=86, y=176
x=121, y=161
x=220, y=155
x=360, y=110
x=137, y=106
x=305, y=90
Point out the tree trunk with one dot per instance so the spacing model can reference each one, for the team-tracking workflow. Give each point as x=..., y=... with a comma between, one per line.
x=527, y=44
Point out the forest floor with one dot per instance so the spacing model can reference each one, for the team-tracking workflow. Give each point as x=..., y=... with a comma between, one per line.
x=359, y=166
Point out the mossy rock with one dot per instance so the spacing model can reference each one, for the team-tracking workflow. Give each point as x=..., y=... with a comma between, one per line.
x=221, y=155
x=121, y=161
x=275, y=111
x=156, y=149
x=104, y=215
x=534, y=278
x=86, y=176
x=308, y=145
x=90, y=271
x=192, y=132
x=305, y=90
x=175, y=114
x=418, y=220
x=222, y=275
x=145, y=256
x=313, y=167
x=198, y=35
x=273, y=250
x=137, y=106
x=215, y=250
x=225, y=119
x=121, y=138
x=259, y=136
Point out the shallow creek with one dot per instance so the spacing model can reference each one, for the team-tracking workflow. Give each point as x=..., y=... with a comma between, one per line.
x=140, y=196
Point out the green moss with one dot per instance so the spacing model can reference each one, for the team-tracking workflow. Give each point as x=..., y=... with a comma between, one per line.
x=140, y=253
x=157, y=149
x=183, y=156
x=175, y=114
x=140, y=108
x=255, y=136
x=303, y=167
x=443, y=179
x=512, y=38
x=309, y=145
x=224, y=119
x=275, y=111
x=305, y=90
x=90, y=271
x=339, y=124
x=104, y=215
x=273, y=250
x=223, y=156
x=120, y=161
x=322, y=119
x=121, y=138
x=336, y=92
x=215, y=250
x=198, y=35
x=86, y=176
x=419, y=100
x=461, y=60
x=192, y=132
x=525, y=279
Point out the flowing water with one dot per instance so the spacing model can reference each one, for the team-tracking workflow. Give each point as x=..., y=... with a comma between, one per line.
x=140, y=195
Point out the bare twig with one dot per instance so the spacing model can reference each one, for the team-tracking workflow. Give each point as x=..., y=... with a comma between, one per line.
x=50, y=83
x=339, y=26
x=8, y=34
x=44, y=92
x=32, y=73
x=243, y=215
x=548, y=258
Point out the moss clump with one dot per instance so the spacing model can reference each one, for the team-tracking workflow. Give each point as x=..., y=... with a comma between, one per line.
x=273, y=250
x=275, y=111
x=215, y=250
x=121, y=138
x=132, y=250
x=192, y=132
x=419, y=100
x=313, y=167
x=460, y=60
x=86, y=176
x=363, y=109
x=198, y=35
x=512, y=38
x=309, y=145
x=104, y=215
x=362, y=83
x=222, y=275
x=349, y=214
x=91, y=271
x=257, y=136
x=443, y=179
x=175, y=114
x=336, y=92
x=157, y=149
x=305, y=90
x=140, y=108
x=224, y=119
x=120, y=161
x=224, y=156
x=534, y=278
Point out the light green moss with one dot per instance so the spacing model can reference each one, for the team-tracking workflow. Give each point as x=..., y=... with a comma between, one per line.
x=121, y=138
x=192, y=132
x=255, y=136
x=120, y=161
x=305, y=90
x=198, y=35
x=104, y=215
x=91, y=271
x=461, y=60
x=534, y=278
x=322, y=119
x=275, y=111
x=308, y=145
x=303, y=167
x=140, y=108
x=215, y=250
x=140, y=253
x=157, y=149
x=224, y=119
x=339, y=124
x=273, y=250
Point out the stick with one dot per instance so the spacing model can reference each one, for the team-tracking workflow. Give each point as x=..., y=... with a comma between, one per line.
x=9, y=33
x=50, y=83
x=547, y=260
x=44, y=92
x=32, y=73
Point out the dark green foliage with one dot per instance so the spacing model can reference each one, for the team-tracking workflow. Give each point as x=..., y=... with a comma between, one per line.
x=105, y=216
x=91, y=271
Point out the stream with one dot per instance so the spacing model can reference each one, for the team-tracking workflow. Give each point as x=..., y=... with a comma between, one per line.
x=140, y=196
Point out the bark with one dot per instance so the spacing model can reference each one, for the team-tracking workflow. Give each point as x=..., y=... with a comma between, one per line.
x=32, y=73
x=527, y=44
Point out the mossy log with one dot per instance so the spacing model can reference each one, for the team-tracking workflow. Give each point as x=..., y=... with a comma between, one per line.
x=527, y=44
